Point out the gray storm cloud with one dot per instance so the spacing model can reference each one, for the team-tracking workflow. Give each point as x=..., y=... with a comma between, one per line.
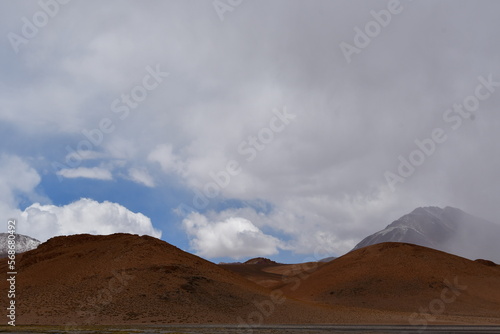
x=354, y=119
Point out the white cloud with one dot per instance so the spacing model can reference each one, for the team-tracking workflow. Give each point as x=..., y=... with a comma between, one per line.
x=168, y=160
x=233, y=237
x=97, y=173
x=83, y=216
x=141, y=176
x=121, y=148
x=40, y=221
x=16, y=176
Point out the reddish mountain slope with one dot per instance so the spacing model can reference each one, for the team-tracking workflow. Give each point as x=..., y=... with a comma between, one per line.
x=405, y=277
x=127, y=279
x=121, y=278
x=272, y=275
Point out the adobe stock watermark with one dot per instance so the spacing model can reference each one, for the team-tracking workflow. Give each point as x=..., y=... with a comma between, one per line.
x=438, y=305
x=453, y=118
x=247, y=150
x=121, y=107
x=221, y=7
x=363, y=37
x=11, y=271
x=31, y=26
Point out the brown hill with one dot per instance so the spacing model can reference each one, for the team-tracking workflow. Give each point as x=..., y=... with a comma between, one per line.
x=255, y=273
x=486, y=262
x=405, y=277
x=127, y=279
x=124, y=278
x=272, y=275
x=261, y=261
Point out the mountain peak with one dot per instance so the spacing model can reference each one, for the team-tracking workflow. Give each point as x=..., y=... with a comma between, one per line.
x=24, y=243
x=260, y=260
x=447, y=229
x=433, y=209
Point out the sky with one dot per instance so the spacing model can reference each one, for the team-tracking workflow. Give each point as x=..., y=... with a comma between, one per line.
x=234, y=129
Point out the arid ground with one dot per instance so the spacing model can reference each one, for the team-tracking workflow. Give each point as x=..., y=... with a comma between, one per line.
x=85, y=280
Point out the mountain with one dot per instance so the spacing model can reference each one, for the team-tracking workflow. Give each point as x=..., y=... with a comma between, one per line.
x=23, y=243
x=405, y=277
x=449, y=229
x=260, y=260
x=121, y=278
x=268, y=273
x=271, y=274
x=130, y=279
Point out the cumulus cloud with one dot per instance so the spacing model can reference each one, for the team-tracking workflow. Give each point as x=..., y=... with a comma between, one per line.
x=97, y=173
x=42, y=221
x=234, y=237
x=83, y=216
x=320, y=236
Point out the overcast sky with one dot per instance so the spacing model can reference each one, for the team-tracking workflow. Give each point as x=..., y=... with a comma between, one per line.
x=234, y=129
